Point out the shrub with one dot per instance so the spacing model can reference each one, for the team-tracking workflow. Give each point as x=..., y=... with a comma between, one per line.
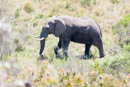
x=5, y=39
x=126, y=47
x=88, y=2
x=122, y=28
x=113, y=65
x=39, y=16
x=9, y=72
x=48, y=75
x=125, y=21
x=115, y=49
x=114, y=1
x=28, y=8
x=3, y=7
x=19, y=47
x=17, y=13
x=7, y=44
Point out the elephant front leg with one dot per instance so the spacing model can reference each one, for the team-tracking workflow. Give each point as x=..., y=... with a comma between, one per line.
x=65, y=44
x=58, y=55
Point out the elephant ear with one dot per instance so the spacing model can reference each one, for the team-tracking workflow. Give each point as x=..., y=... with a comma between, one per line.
x=60, y=27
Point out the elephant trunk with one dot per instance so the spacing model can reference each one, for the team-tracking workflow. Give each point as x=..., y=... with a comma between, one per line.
x=42, y=45
x=43, y=36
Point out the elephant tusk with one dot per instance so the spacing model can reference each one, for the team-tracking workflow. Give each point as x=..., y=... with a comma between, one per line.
x=36, y=36
x=39, y=39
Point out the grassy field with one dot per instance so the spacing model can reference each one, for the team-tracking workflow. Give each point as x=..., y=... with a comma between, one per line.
x=21, y=65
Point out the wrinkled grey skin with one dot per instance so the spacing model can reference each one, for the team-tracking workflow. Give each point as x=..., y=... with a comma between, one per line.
x=82, y=30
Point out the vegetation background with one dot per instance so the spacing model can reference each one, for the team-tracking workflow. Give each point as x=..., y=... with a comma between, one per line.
x=21, y=65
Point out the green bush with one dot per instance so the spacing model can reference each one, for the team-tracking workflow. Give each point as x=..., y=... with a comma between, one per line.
x=114, y=1
x=17, y=13
x=117, y=64
x=28, y=8
x=125, y=21
x=122, y=28
x=88, y=2
x=126, y=47
x=19, y=47
x=39, y=16
x=115, y=49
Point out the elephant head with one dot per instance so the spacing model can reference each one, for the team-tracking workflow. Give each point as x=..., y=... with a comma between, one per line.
x=53, y=26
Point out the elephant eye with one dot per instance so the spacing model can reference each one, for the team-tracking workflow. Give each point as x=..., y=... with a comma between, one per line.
x=47, y=28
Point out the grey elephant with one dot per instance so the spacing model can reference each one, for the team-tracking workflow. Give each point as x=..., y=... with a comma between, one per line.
x=82, y=30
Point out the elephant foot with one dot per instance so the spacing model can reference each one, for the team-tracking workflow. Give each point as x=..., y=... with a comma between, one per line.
x=102, y=56
x=65, y=57
x=59, y=56
x=41, y=56
x=62, y=57
x=85, y=57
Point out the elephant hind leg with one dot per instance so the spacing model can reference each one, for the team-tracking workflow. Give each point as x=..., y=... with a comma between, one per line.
x=99, y=44
x=102, y=54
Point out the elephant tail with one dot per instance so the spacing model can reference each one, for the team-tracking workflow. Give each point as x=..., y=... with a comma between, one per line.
x=100, y=31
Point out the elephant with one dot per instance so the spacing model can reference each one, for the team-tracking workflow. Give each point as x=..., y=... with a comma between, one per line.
x=83, y=30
